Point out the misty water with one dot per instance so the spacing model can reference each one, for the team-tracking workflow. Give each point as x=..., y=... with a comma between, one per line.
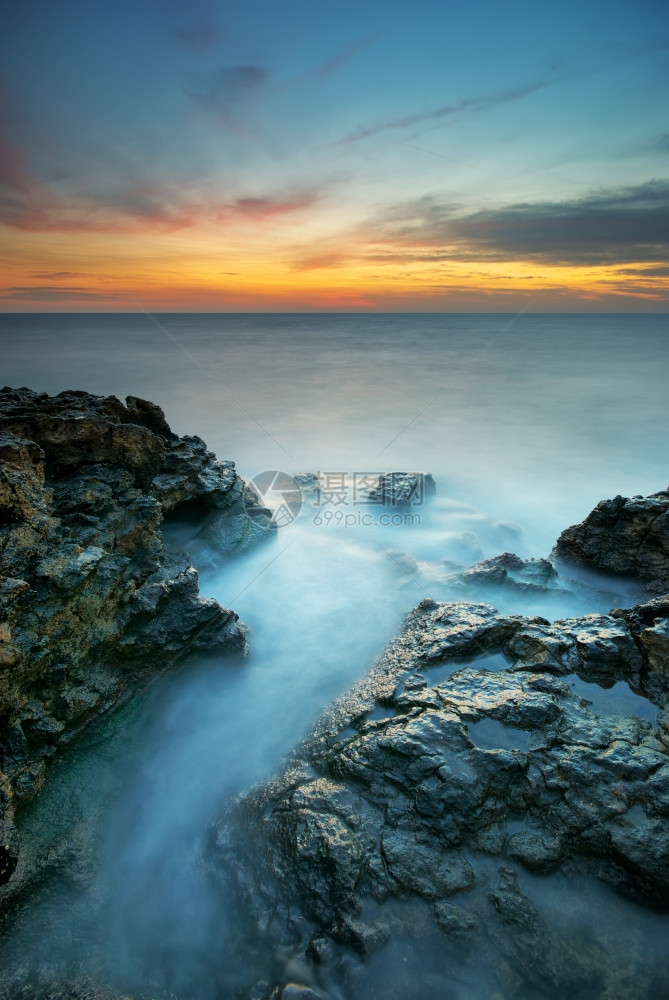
x=525, y=423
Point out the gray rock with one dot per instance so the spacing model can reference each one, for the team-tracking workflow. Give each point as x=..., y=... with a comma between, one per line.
x=403, y=489
x=454, y=920
x=539, y=851
x=509, y=570
x=525, y=938
x=622, y=536
x=309, y=485
x=232, y=533
x=91, y=604
x=412, y=865
x=506, y=763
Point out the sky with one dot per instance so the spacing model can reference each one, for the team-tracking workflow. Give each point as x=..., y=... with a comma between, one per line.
x=198, y=155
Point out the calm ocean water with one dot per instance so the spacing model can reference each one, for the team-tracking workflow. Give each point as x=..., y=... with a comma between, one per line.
x=525, y=423
x=535, y=418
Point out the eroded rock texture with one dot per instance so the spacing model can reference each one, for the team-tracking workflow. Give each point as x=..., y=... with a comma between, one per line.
x=403, y=489
x=623, y=536
x=90, y=601
x=434, y=773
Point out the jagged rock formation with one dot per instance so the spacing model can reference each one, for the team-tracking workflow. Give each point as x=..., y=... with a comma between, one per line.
x=413, y=783
x=403, y=489
x=623, y=536
x=90, y=601
x=509, y=570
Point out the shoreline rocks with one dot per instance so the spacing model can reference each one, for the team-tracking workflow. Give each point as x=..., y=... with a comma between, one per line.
x=624, y=537
x=427, y=802
x=463, y=746
x=91, y=603
x=403, y=489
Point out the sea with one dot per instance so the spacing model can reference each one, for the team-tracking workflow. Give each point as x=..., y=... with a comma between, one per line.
x=524, y=422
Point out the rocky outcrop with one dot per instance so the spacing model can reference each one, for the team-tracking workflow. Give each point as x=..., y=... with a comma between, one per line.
x=462, y=754
x=403, y=489
x=623, y=536
x=91, y=603
x=509, y=570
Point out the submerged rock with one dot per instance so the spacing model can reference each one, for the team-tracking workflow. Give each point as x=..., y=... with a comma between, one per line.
x=403, y=489
x=308, y=484
x=509, y=570
x=90, y=601
x=414, y=781
x=623, y=536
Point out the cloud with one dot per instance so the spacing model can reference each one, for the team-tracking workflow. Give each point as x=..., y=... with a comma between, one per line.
x=197, y=34
x=40, y=210
x=320, y=261
x=22, y=198
x=48, y=293
x=605, y=227
x=191, y=23
x=30, y=206
x=630, y=224
x=559, y=73
x=221, y=91
x=13, y=176
x=267, y=208
x=645, y=272
x=58, y=275
x=446, y=110
x=340, y=59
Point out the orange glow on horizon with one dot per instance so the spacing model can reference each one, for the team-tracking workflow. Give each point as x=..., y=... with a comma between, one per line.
x=261, y=268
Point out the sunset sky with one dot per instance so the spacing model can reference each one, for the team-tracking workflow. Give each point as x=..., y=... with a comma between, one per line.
x=292, y=155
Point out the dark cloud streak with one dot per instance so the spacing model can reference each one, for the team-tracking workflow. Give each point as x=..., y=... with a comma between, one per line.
x=341, y=58
x=447, y=110
x=606, y=227
x=49, y=293
x=58, y=275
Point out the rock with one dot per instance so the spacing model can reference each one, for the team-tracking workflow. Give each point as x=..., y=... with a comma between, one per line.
x=534, y=952
x=309, y=485
x=9, y=848
x=409, y=862
x=453, y=920
x=622, y=536
x=232, y=533
x=510, y=570
x=649, y=626
x=598, y=647
x=403, y=489
x=407, y=782
x=539, y=851
x=655, y=641
x=91, y=603
x=77, y=987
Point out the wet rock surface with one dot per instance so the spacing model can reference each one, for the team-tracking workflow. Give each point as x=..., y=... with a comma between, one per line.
x=403, y=489
x=624, y=536
x=510, y=571
x=447, y=784
x=91, y=603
